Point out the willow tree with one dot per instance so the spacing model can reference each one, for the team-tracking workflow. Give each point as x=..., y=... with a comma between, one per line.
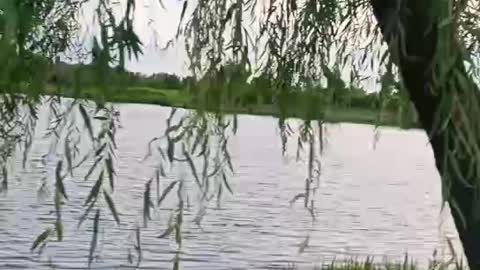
x=431, y=46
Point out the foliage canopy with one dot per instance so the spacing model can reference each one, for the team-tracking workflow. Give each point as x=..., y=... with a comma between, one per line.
x=295, y=44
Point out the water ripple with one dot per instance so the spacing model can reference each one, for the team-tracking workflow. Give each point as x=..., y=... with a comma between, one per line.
x=369, y=203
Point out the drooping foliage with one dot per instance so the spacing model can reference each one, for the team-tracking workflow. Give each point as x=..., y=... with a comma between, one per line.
x=288, y=45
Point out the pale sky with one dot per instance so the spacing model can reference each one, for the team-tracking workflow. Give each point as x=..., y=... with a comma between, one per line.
x=156, y=25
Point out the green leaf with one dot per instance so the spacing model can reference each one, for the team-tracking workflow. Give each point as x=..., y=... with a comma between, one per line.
x=205, y=168
x=85, y=214
x=166, y=191
x=139, y=243
x=111, y=205
x=110, y=171
x=149, y=148
x=161, y=4
x=147, y=203
x=90, y=171
x=304, y=245
x=100, y=150
x=215, y=170
x=453, y=203
x=196, y=142
x=102, y=118
x=58, y=206
x=229, y=13
x=130, y=257
x=162, y=153
x=59, y=230
x=456, y=169
x=59, y=180
x=112, y=138
x=93, y=243
x=184, y=8
x=4, y=185
x=68, y=157
x=95, y=189
x=225, y=181
x=41, y=238
x=178, y=234
x=298, y=196
x=176, y=261
x=86, y=119
x=167, y=232
x=219, y=195
x=84, y=158
x=200, y=214
x=192, y=167
x=170, y=150
x=204, y=146
x=235, y=124
x=179, y=137
x=162, y=171
x=229, y=159
x=157, y=178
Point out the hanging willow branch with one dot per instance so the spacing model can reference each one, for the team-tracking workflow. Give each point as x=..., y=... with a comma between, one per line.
x=297, y=46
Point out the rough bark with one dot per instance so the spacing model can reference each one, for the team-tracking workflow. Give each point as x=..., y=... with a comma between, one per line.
x=456, y=160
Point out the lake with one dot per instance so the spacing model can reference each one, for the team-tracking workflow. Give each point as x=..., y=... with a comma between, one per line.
x=383, y=202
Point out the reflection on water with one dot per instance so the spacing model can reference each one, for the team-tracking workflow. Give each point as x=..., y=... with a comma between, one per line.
x=382, y=202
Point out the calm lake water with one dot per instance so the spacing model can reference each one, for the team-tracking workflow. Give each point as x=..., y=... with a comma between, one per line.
x=382, y=202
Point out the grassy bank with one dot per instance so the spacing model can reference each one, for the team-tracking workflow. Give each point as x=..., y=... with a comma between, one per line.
x=370, y=265
x=181, y=99
x=449, y=262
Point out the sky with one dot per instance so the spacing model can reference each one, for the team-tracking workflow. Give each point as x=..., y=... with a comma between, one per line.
x=156, y=24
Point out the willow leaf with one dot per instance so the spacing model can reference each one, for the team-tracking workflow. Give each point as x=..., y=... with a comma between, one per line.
x=147, y=203
x=111, y=205
x=41, y=238
x=100, y=150
x=95, y=189
x=60, y=187
x=59, y=230
x=167, y=232
x=68, y=157
x=86, y=119
x=225, y=182
x=92, y=168
x=166, y=191
x=110, y=171
x=192, y=167
x=85, y=214
x=94, y=241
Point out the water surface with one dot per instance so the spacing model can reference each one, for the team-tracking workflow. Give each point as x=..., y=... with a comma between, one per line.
x=383, y=201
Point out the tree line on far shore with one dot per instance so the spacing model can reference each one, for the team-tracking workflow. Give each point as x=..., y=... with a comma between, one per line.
x=242, y=90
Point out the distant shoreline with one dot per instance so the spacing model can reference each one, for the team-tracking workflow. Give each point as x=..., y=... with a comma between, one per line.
x=177, y=98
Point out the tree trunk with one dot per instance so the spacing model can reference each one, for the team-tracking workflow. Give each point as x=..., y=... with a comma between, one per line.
x=453, y=102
